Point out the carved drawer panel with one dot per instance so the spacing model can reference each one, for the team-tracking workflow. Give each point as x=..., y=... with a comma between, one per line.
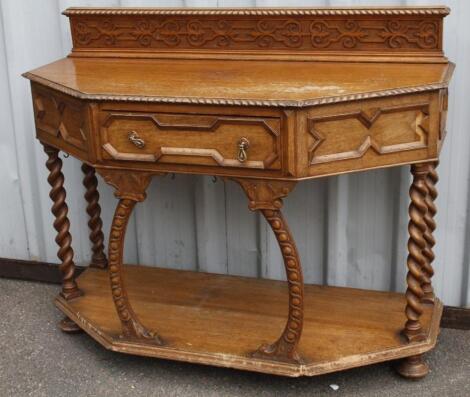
x=376, y=131
x=226, y=141
x=61, y=121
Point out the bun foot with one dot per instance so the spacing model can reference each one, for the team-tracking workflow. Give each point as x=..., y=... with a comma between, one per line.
x=413, y=367
x=69, y=326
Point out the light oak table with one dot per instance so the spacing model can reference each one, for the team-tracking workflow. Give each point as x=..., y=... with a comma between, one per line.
x=265, y=98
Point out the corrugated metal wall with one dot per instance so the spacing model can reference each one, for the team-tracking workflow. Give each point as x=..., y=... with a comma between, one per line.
x=351, y=230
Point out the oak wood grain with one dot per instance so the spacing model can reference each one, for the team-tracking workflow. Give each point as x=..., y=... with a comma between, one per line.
x=283, y=83
x=220, y=320
x=266, y=97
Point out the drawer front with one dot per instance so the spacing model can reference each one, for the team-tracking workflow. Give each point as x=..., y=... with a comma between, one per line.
x=193, y=139
x=61, y=121
x=372, y=133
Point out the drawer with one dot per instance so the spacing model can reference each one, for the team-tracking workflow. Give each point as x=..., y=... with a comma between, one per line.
x=192, y=139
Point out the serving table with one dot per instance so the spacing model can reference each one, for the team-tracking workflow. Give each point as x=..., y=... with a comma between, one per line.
x=266, y=98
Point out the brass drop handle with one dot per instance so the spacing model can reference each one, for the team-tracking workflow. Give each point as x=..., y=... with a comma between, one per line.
x=136, y=139
x=243, y=145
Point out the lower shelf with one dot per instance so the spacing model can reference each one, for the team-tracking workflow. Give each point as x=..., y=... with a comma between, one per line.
x=220, y=320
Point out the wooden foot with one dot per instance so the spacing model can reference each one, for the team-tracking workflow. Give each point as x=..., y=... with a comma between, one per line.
x=413, y=367
x=417, y=227
x=130, y=188
x=63, y=239
x=69, y=326
x=266, y=196
x=95, y=223
x=431, y=180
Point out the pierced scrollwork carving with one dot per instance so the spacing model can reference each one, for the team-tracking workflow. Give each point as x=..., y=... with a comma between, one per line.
x=305, y=33
x=324, y=34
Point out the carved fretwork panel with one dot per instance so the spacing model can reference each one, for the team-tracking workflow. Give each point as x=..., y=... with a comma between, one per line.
x=61, y=118
x=301, y=30
x=174, y=138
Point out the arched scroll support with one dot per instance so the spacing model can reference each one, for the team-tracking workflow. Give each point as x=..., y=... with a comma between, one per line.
x=266, y=196
x=130, y=189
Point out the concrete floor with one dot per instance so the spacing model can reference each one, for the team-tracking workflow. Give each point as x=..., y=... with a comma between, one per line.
x=36, y=359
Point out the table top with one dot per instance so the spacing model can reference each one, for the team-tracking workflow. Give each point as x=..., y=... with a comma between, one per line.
x=291, y=83
x=283, y=94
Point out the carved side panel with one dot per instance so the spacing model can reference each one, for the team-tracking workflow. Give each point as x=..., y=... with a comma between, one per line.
x=61, y=121
x=372, y=133
x=192, y=139
x=383, y=130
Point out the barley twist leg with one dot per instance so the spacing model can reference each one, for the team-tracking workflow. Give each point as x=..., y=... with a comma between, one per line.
x=61, y=223
x=95, y=223
x=416, y=260
x=431, y=180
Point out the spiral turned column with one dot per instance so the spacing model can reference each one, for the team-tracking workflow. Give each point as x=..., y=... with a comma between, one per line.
x=131, y=326
x=95, y=224
x=285, y=348
x=61, y=223
x=431, y=180
x=416, y=259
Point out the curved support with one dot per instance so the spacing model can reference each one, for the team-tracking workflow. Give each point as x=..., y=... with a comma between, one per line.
x=431, y=180
x=416, y=260
x=93, y=209
x=61, y=224
x=266, y=196
x=131, y=326
x=130, y=189
x=285, y=348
